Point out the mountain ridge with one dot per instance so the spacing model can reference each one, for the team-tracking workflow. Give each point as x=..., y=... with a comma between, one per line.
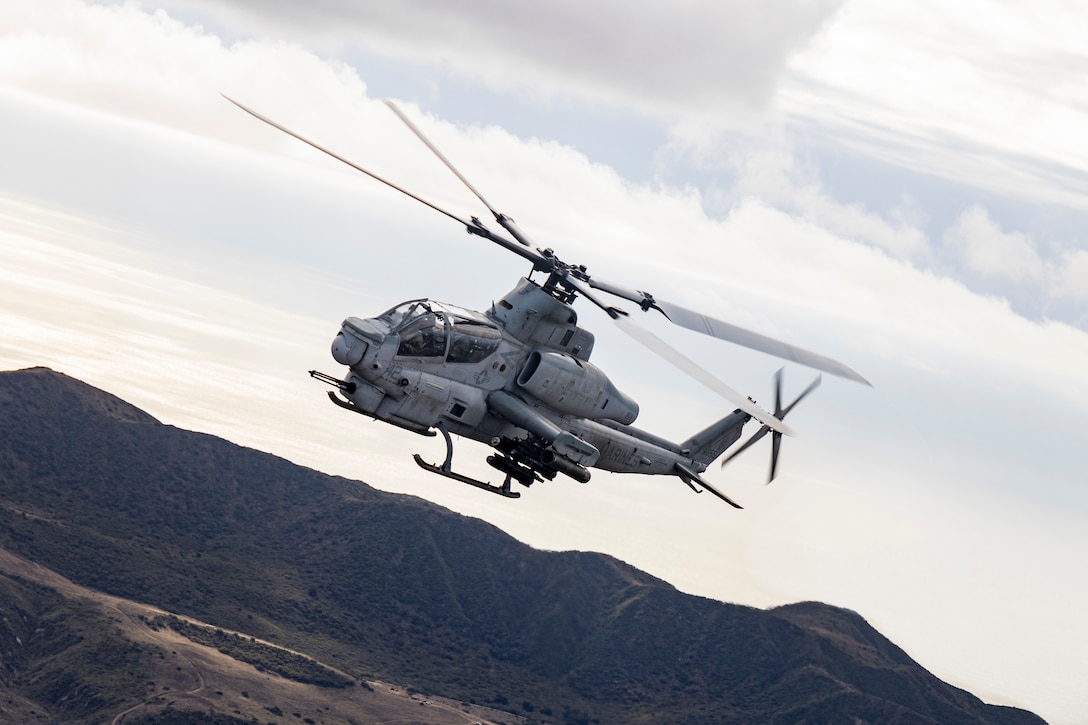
x=392, y=586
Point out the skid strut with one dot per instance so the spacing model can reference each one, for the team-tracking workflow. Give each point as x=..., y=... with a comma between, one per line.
x=446, y=469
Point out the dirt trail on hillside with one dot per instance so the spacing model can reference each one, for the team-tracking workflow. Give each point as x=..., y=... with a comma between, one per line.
x=191, y=676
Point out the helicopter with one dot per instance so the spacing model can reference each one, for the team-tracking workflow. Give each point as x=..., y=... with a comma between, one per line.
x=518, y=377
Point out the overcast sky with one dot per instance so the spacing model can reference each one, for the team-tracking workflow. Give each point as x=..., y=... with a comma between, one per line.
x=902, y=187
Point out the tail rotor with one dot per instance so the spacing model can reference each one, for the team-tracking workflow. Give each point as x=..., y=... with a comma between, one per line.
x=780, y=412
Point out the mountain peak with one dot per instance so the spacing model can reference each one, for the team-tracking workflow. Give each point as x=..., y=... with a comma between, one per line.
x=51, y=392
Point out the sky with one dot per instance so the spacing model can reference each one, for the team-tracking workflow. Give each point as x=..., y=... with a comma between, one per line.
x=899, y=187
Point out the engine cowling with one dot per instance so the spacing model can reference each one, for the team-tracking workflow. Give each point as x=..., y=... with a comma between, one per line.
x=575, y=387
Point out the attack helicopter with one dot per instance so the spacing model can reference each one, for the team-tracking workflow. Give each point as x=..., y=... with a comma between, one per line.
x=518, y=376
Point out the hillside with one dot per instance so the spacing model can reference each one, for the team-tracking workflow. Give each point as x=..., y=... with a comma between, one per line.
x=389, y=587
x=70, y=655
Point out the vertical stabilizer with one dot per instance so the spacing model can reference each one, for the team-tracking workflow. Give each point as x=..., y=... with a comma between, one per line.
x=708, y=444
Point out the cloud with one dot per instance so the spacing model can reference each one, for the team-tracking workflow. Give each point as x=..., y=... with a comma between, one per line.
x=998, y=261
x=987, y=250
x=769, y=168
x=117, y=63
x=986, y=94
x=1072, y=279
x=661, y=59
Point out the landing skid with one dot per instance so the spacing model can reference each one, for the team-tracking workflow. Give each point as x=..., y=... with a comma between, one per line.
x=503, y=490
x=446, y=470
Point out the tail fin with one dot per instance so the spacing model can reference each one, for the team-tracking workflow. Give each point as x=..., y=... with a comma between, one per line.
x=708, y=444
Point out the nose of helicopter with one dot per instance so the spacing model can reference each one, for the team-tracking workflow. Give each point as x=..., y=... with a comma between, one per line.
x=351, y=343
x=347, y=349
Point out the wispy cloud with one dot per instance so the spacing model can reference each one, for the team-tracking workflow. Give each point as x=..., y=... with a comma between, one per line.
x=981, y=93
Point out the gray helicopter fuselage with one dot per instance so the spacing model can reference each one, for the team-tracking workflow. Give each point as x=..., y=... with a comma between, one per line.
x=519, y=372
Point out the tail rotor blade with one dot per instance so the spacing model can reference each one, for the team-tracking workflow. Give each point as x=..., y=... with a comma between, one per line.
x=811, y=386
x=776, y=446
x=778, y=393
x=747, y=444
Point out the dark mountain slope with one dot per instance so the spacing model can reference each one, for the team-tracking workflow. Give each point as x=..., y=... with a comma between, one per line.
x=393, y=586
x=62, y=654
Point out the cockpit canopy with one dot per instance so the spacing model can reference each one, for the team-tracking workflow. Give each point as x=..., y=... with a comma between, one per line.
x=430, y=329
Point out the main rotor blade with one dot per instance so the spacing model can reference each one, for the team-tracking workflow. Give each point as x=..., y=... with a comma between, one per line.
x=707, y=325
x=506, y=222
x=693, y=369
x=341, y=159
x=434, y=149
x=473, y=227
x=644, y=299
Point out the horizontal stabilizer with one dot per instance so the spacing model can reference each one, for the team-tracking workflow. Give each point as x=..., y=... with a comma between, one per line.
x=691, y=478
